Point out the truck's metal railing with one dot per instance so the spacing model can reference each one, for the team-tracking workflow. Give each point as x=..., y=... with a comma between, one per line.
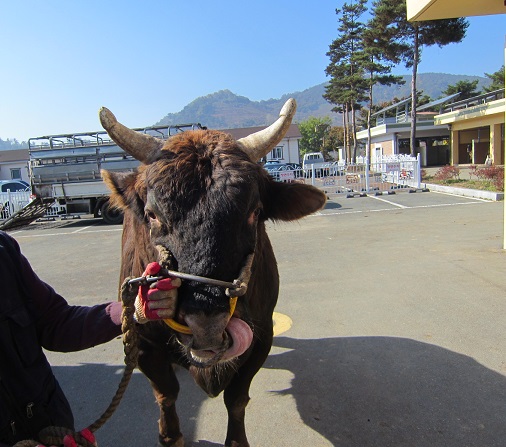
x=100, y=138
x=80, y=157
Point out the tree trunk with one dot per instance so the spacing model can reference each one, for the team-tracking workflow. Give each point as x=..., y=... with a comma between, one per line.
x=412, y=143
x=354, y=131
x=345, y=128
x=368, y=147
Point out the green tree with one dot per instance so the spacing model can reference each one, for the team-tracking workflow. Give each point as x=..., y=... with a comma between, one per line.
x=410, y=37
x=314, y=131
x=467, y=89
x=347, y=86
x=497, y=79
x=333, y=141
x=378, y=67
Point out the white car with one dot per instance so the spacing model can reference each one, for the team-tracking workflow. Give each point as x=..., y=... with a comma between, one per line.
x=14, y=195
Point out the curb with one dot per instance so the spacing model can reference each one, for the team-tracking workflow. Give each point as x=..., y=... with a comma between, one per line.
x=476, y=193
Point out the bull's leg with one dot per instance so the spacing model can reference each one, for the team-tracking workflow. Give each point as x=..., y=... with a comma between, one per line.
x=236, y=395
x=155, y=365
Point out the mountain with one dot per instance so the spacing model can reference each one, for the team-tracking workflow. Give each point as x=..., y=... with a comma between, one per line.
x=432, y=84
x=226, y=110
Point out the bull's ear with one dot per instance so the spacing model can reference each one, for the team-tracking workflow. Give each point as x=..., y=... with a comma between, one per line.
x=123, y=190
x=291, y=201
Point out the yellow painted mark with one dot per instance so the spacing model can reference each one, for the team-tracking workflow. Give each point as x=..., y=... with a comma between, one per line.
x=281, y=323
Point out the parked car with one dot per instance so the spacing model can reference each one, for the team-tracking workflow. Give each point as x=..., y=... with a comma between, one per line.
x=14, y=195
x=283, y=172
x=14, y=185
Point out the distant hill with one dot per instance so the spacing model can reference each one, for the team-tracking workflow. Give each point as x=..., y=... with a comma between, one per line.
x=432, y=84
x=226, y=110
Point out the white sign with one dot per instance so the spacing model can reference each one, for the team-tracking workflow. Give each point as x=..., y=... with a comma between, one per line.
x=285, y=176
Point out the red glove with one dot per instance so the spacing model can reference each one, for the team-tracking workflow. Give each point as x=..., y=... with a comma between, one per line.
x=69, y=441
x=157, y=300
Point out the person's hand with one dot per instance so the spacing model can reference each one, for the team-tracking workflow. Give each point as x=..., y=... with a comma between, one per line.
x=69, y=441
x=157, y=300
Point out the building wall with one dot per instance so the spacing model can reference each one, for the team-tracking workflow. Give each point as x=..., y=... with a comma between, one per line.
x=289, y=149
x=381, y=148
x=386, y=137
x=5, y=170
x=477, y=132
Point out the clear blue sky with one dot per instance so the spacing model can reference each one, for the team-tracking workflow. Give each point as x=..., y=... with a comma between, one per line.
x=63, y=60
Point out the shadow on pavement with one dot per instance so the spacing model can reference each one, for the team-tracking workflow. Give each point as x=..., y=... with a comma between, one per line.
x=385, y=391
x=332, y=205
x=90, y=388
x=355, y=392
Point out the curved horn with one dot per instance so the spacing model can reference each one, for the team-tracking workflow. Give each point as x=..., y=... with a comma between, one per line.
x=259, y=144
x=138, y=145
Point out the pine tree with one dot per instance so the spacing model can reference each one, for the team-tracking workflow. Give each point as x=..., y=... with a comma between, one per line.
x=347, y=86
x=497, y=79
x=378, y=67
x=467, y=89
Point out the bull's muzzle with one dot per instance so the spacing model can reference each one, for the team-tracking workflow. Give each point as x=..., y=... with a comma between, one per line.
x=215, y=339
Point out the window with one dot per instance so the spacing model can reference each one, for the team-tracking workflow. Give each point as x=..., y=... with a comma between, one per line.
x=277, y=153
x=16, y=173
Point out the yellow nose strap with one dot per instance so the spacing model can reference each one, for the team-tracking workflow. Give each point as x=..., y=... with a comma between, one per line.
x=183, y=329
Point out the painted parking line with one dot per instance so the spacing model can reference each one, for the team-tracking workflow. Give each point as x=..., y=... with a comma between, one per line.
x=30, y=234
x=281, y=322
x=395, y=206
x=388, y=201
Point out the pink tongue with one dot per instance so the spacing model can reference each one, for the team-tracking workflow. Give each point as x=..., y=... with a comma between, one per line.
x=242, y=336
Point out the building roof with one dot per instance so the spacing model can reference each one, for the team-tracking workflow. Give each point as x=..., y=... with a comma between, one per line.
x=13, y=155
x=405, y=101
x=438, y=102
x=292, y=132
x=392, y=106
x=449, y=9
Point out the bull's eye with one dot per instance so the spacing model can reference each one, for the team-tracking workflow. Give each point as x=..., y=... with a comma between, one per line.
x=151, y=215
x=253, y=217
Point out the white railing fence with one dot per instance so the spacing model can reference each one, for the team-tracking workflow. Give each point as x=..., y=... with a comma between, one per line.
x=384, y=175
x=11, y=202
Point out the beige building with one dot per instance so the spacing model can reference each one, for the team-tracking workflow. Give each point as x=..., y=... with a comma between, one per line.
x=392, y=130
x=476, y=128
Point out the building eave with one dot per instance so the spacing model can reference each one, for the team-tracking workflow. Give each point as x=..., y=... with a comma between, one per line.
x=478, y=111
x=392, y=128
x=447, y=9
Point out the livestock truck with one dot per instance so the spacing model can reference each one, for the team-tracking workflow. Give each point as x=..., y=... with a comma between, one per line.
x=66, y=168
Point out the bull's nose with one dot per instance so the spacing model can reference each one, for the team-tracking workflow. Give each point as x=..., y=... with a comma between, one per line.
x=208, y=332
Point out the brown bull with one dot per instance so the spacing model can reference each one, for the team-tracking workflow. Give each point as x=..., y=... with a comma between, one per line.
x=199, y=202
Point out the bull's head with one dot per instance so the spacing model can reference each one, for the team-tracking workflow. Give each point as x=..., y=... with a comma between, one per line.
x=203, y=197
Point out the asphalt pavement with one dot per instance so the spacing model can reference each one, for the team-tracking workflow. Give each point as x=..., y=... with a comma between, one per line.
x=392, y=317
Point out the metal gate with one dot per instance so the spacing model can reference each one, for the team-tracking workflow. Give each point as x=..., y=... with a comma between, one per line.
x=384, y=176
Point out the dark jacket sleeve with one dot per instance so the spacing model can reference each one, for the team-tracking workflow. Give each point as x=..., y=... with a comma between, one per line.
x=59, y=326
